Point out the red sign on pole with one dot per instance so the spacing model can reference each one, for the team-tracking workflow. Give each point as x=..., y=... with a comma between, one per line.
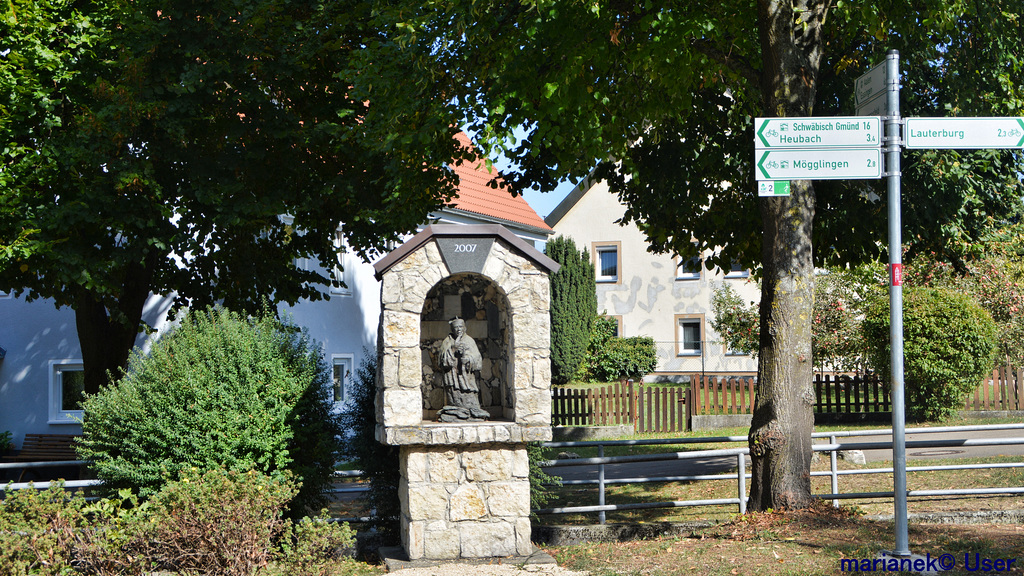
x=896, y=278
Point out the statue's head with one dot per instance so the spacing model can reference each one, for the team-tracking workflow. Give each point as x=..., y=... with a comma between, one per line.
x=458, y=326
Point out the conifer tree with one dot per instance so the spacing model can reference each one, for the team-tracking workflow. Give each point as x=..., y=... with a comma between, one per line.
x=573, y=307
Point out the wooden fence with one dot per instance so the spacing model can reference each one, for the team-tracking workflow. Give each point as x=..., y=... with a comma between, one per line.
x=1004, y=390
x=670, y=408
x=850, y=395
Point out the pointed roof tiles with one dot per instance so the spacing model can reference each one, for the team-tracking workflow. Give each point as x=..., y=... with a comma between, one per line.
x=477, y=197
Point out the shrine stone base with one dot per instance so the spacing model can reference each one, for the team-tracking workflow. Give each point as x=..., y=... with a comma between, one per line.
x=465, y=501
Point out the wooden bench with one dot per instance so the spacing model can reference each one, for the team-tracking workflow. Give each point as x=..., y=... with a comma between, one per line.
x=45, y=448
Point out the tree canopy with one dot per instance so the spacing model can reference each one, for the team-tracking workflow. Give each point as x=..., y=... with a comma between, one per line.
x=147, y=147
x=659, y=99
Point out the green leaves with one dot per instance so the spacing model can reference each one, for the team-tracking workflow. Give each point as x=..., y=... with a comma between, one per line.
x=218, y=391
x=949, y=345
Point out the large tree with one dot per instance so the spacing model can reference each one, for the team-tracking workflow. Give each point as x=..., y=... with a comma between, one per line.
x=660, y=97
x=153, y=147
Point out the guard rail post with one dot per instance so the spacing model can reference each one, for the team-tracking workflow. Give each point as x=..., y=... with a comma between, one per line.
x=600, y=482
x=835, y=470
x=741, y=481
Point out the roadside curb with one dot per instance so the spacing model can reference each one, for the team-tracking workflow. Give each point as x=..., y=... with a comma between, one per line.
x=572, y=535
x=963, y=517
x=569, y=535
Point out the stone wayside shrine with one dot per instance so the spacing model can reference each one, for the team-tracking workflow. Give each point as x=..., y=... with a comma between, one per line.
x=463, y=384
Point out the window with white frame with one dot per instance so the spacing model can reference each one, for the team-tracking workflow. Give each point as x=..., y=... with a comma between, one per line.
x=689, y=334
x=689, y=269
x=341, y=379
x=607, y=262
x=342, y=273
x=67, y=391
x=737, y=271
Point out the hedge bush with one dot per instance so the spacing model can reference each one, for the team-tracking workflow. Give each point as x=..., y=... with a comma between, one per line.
x=612, y=358
x=219, y=391
x=949, y=345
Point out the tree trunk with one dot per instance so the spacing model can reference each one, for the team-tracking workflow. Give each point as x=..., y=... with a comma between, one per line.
x=780, y=433
x=108, y=336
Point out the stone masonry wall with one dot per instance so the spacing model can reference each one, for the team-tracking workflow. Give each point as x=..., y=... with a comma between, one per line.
x=404, y=290
x=465, y=501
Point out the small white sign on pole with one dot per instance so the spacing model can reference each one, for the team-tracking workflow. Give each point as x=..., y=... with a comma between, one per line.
x=870, y=84
x=773, y=188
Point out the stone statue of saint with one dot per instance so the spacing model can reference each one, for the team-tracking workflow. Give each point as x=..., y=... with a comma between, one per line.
x=459, y=360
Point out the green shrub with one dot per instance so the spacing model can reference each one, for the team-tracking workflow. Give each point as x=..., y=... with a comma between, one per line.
x=573, y=307
x=5, y=442
x=114, y=540
x=218, y=522
x=218, y=391
x=737, y=322
x=540, y=481
x=612, y=358
x=378, y=462
x=949, y=345
x=314, y=546
x=38, y=530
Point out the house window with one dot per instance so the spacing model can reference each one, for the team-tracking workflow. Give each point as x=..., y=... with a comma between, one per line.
x=689, y=334
x=737, y=271
x=341, y=377
x=608, y=262
x=67, y=391
x=689, y=269
x=342, y=273
x=618, y=325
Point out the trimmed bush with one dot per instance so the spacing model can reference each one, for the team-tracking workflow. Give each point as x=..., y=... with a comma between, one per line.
x=573, y=307
x=218, y=391
x=949, y=345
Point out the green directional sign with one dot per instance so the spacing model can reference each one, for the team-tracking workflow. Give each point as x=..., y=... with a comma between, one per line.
x=818, y=132
x=1007, y=132
x=773, y=188
x=851, y=163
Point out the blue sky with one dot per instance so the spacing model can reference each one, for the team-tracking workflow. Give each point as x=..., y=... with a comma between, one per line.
x=544, y=202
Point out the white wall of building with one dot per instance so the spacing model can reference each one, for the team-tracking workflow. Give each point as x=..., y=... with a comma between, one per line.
x=648, y=295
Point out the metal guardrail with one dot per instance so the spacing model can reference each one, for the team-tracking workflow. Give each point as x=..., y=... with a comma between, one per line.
x=741, y=453
x=740, y=476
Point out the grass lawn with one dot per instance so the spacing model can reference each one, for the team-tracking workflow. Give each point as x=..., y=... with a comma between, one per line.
x=808, y=542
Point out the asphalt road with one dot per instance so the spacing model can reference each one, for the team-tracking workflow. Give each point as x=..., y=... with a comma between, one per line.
x=721, y=465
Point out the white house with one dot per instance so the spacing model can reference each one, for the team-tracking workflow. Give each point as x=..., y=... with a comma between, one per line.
x=650, y=294
x=40, y=372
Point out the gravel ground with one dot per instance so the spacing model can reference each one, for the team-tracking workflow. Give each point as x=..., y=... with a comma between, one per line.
x=488, y=570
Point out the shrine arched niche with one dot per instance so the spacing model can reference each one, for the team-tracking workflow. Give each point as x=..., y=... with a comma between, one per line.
x=484, y=308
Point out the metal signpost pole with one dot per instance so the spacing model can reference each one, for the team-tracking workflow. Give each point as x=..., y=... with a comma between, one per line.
x=892, y=178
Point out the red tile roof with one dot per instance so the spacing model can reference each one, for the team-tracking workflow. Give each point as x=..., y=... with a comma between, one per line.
x=477, y=197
